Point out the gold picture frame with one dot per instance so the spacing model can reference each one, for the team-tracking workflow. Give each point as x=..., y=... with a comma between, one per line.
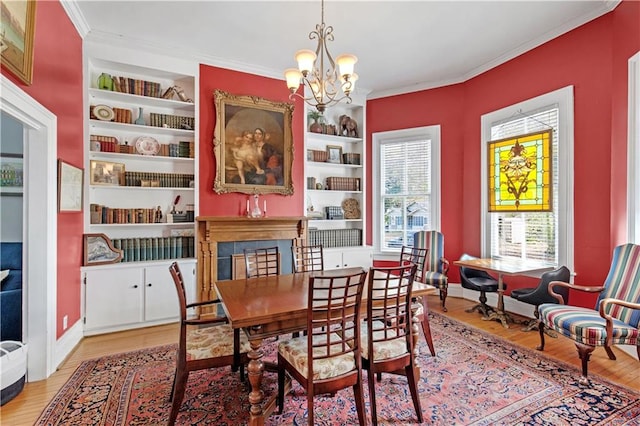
x=18, y=32
x=253, y=145
x=106, y=173
x=70, y=183
x=334, y=154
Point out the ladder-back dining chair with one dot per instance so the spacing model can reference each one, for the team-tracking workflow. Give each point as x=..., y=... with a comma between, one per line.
x=262, y=262
x=204, y=343
x=307, y=258
x=387, y=343
x=615, y=318
x=328, y=358
x=437, y=266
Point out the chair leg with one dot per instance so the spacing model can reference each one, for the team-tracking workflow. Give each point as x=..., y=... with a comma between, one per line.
x=426, y=328
x=280, y=388
x=358, y=393
x=610, y=353
x=443, y=297
x=584, y=352
x=372, y=395
x=180, y=384
x=310, y=396
x=410, y=372
x=541, y=327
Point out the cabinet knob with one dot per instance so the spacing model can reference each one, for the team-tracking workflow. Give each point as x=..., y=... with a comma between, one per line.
x=149, y=285
x=135, y=286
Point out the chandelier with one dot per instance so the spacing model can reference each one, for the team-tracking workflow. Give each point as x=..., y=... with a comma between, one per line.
x=327, y=86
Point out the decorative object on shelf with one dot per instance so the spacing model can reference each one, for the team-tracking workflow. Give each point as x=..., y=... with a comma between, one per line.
x=255, y=210
x=69, y=187
x=146, y=145
x=140, y=120
x=315, y=127
x=157, y=217
x=319, y=186
x=348, y=126
x=325, y=85
x=176, y=90
x=17, y=51
x=334, y=154
x=106, y=173
x=253, y=145
x=351, y=208
x=99, y=250
x=105, y=82
x=103, y=112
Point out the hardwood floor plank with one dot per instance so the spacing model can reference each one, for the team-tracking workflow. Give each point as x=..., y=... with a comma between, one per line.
x=27, y=406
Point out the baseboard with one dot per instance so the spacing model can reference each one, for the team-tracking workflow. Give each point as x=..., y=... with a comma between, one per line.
x=67, y=343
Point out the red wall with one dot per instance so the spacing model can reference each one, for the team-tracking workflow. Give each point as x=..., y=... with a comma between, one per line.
x=238, y=83
x=57, y=85
x=585, y=58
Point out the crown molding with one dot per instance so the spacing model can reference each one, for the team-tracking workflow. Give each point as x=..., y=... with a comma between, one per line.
x=76, y=17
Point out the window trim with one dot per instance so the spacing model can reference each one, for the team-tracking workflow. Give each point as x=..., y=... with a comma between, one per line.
x=633, y=151
x=379, y=138
x=564, y=99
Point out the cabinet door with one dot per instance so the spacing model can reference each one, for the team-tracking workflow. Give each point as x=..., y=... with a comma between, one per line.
x=113, y=297
x=361, y=256
x=332, y=259
x=160, y=298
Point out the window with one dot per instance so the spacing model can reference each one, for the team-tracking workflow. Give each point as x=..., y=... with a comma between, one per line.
x=540, y=236
x=633, y=161
x=406, y=185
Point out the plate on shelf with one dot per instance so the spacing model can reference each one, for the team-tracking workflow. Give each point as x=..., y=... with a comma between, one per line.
x=103, y=112
x=146, y=145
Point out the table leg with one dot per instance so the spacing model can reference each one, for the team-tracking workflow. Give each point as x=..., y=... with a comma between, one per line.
x=500, y=313
x=255, y=373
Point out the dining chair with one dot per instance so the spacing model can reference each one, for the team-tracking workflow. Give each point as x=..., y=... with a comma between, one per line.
x=328, y=358
x=204, y=343
x=615, y=319
x=262, y=262
x=387, y=343
x=307, y=258
x=436, y=266
x=418, y=256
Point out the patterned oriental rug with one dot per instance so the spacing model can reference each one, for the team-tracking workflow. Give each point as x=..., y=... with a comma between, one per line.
x=475, y=379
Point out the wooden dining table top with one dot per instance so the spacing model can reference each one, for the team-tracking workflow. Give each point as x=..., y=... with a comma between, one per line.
x=251, y=302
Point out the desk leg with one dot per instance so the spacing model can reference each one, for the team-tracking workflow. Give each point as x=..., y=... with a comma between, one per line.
x=255, y=372
x=499, y=313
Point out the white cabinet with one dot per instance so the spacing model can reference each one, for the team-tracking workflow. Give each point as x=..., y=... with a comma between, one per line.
x=120, y=297
x=348, y=257
x=335, y=194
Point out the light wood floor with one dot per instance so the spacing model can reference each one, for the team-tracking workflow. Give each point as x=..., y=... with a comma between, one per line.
x=27, y=406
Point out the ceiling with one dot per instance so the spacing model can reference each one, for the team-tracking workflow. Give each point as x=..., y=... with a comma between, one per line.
x=402, y=46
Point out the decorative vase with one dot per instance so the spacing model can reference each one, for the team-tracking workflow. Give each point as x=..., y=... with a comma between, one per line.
x=105, y=82
x=140, y=119
x=316, y=127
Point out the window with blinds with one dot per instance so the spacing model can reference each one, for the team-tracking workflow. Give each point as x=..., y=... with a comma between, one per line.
x=528, y=235
x=405, y=197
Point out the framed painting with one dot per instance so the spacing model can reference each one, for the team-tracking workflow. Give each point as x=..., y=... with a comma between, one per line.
x=11, y=174
x=69, y=187
x=16, y=38
x=99, y=250
x=106, y=173
x=253, y=145
x=334, y=154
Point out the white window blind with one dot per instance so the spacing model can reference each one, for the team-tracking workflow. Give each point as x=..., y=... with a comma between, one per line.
x=528, y=235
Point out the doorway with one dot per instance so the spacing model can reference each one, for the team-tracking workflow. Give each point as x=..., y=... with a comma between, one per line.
x=39, y=226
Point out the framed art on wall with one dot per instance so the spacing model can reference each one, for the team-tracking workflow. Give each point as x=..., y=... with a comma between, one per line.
x=17, y=35
x=253, y=145
x=69, y=187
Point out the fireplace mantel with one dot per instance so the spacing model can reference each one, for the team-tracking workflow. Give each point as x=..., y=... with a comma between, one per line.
x=214, y=229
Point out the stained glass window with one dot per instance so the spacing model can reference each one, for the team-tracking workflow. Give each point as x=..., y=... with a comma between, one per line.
x=520, y=173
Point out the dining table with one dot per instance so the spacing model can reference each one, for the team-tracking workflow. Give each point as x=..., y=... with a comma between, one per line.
x=503, y=267
x=275, y=305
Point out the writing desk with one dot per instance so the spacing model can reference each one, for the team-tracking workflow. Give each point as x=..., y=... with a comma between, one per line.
x=504, y=267
x=270, y=306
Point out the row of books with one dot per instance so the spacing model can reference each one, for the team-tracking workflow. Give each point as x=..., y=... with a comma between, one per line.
x=163, y=180
x=172, y=121
x=335, y=237
x=136, y=87
x=99, y=214
x=343, y=183
x=155, y=248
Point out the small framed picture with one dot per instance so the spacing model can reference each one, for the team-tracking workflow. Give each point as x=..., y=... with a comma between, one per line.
x=99, y=250
x=69, y=187
x=106, y=173
x=334, y=154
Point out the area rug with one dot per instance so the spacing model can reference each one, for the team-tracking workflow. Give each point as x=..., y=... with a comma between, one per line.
x=475, y=379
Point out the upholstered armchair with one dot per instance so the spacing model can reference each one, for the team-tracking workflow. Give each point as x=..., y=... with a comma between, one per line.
x=615, y=318
x=436, y=266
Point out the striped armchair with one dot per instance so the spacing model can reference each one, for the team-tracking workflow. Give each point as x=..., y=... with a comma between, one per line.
x=616, y=316
x=436, y=267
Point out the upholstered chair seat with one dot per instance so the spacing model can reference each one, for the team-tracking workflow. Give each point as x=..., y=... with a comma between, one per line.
x=383, y=349
x=295, y=352
x=213, y=342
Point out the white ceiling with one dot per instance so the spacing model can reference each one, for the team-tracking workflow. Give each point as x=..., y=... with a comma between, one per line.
x=402, y=46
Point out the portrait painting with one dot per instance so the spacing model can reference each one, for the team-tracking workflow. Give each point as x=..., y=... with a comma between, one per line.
x=253, y=145
x=16, y=37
